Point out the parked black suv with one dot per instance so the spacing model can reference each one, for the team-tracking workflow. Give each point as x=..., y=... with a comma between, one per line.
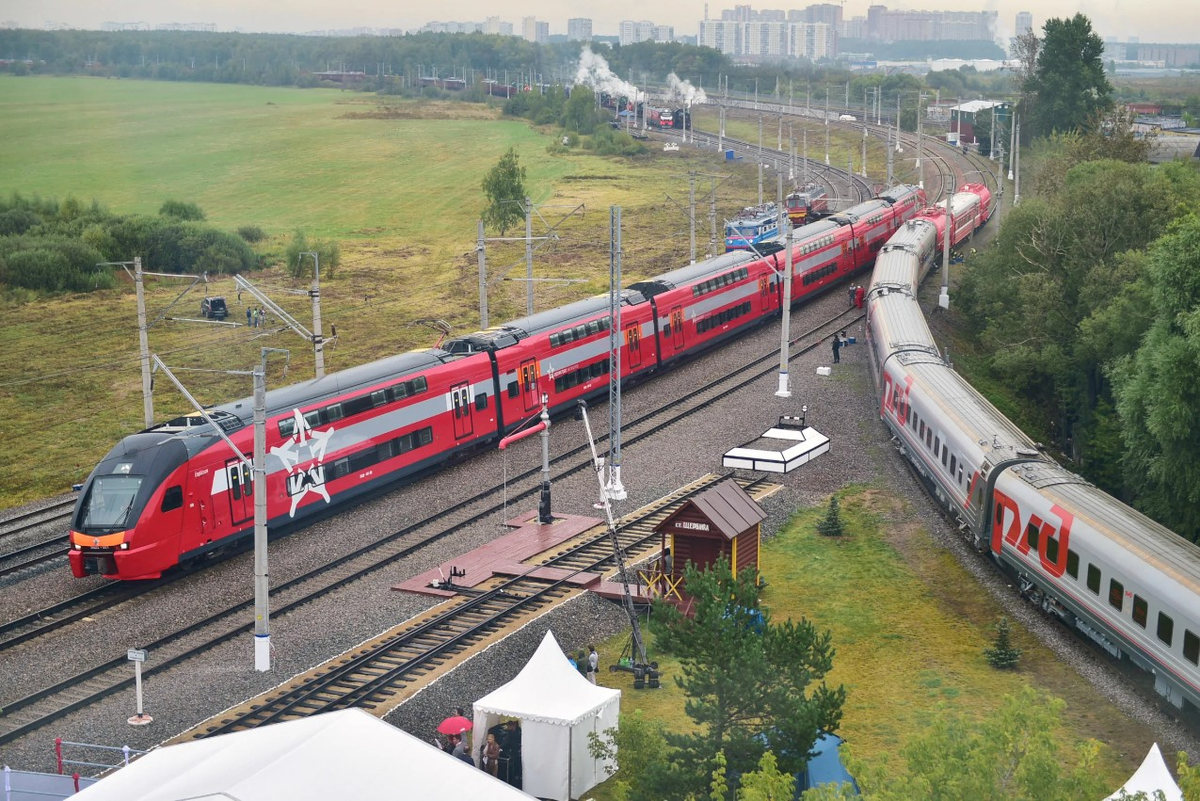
x=214, y=308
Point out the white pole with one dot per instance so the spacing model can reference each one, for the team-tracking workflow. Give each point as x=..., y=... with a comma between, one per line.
x=262, y=590
x=143, y=343
x=944, y=297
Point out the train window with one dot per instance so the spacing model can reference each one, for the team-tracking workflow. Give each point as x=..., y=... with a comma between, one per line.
x=386, y=450
x=1093, y=579
x=379, y=397
x=287, y=427
x=424, y=436
x=915, y=420
x=334, y=412
x=567, y=336
x=418, y=385
x=1072, y=564
x=1166, y=628
x=954, y=465
x=593, y=327
x=341, y=467
x=937, y=445
x=921, y=434
x=1031, y=536
x=1191, y=647
x=1052, y=550
x=1116, y=594
x=945, y=453
x=313, y=418
x=1140, y=610
x=581, y=331
x=172, y=498
x=481, y=401
x=555, y=341
x=929, y=438
x=513, y=389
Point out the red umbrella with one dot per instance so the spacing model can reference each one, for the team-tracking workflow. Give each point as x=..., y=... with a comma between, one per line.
x=454, y=725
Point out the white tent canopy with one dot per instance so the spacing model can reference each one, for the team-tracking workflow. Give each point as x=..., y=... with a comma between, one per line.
x=345, y=754
x=557, y=708
x=1152, y=775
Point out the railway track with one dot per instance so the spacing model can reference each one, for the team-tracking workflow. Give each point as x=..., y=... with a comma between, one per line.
x=382, y=674
x=25, y=555
x=25, y=715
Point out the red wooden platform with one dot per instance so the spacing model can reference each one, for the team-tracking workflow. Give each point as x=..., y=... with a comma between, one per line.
x=505, y=556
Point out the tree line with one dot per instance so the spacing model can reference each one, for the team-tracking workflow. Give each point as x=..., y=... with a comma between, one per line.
x=51, y=246
x=1086, y=305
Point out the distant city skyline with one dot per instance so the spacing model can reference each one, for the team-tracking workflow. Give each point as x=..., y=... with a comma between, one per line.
x=1150, y=21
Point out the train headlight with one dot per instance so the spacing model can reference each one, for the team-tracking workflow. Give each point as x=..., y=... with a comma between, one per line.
x=124, y=546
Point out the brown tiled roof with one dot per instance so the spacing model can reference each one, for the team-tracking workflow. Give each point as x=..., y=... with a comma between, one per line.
x=727, y=506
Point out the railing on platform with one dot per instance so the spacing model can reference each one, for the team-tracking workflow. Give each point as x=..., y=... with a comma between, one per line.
x=125, y=751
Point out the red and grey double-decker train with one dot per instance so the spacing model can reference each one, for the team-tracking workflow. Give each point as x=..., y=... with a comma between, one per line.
x=177, y=491
x=1101, y=567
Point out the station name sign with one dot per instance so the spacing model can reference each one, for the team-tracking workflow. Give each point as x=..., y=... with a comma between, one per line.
x=690, y=525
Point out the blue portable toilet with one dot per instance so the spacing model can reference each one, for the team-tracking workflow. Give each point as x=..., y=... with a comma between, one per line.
x=729, y=155
x=826, y=767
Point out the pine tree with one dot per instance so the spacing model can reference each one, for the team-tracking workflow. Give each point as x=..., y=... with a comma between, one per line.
x=831, y=525
x=1002, y=655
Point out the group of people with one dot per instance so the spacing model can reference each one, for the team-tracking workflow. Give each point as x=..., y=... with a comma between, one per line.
x=857, y=294
x=587, y=664
x=256, y=318
x=499, y=753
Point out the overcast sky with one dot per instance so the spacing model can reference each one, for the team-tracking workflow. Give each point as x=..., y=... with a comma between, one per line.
x=1150, y=20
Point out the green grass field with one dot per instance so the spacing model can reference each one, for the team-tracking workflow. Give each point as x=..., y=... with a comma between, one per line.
x=397, y=183
x=909, y=625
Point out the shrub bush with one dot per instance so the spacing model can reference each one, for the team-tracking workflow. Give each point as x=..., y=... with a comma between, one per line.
x=251, y=233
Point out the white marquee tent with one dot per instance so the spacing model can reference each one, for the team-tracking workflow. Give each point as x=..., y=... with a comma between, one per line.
x=336, y=755
x=557, y=708
x=1152, y=775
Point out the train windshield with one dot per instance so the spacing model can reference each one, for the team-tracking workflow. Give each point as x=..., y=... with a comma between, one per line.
x=110, y=501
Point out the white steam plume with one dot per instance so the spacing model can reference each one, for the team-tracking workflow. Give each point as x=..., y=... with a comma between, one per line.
x=684, y=90
x=594, y=72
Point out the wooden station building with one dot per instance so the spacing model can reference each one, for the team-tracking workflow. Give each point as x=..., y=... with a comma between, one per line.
x=721, y=521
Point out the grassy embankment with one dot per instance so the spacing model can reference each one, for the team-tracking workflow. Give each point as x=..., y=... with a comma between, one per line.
x=396, y=183
x=910, y=625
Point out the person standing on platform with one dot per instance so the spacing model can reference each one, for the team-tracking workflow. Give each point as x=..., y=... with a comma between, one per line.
x=262, y=317
x=249, y=317
x=593, y=663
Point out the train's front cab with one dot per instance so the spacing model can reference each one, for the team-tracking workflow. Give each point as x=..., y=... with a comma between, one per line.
x=130, y=511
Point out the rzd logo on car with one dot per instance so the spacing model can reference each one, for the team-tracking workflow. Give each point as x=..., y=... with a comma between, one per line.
x=1052, y=539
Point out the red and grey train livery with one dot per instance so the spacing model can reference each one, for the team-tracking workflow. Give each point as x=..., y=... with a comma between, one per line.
x=1128, y=583
x=176, y=491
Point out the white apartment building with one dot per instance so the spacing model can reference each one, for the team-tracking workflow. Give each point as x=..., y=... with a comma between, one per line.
x=579, y=29
x=534, y=31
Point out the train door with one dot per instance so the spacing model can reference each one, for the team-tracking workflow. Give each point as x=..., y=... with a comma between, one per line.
x=529, y=385
x=460, y=399
x=240, y=483
x=677, y=328
x=764, y=292
x=633, y=339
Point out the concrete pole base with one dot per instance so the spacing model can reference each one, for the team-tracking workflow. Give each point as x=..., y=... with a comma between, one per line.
x=262, y=652
x=140, y=720
x=944, y=298
x=615, y=489
x=783, y=391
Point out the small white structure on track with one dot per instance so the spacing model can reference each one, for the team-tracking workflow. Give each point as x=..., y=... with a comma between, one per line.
x=781, y=449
